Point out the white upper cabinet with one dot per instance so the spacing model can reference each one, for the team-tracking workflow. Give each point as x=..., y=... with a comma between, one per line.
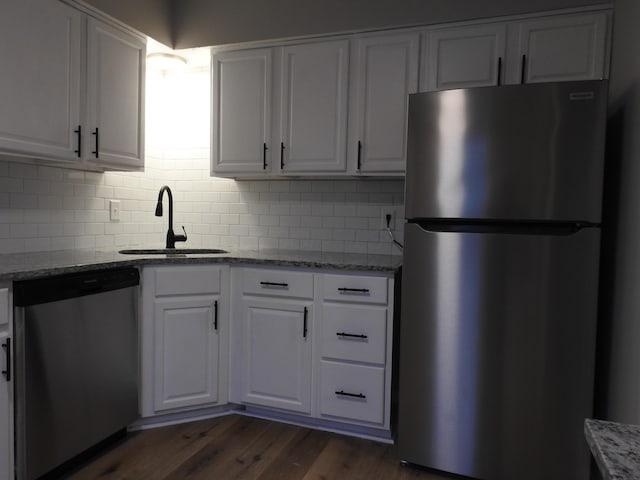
x=241, y=111
x=71, y=82
x=314, y=101
x=385, y=72
x=40, y=82
x=559, y=48
x=462, y=57
x=115, y=97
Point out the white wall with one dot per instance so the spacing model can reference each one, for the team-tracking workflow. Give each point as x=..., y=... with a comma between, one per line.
x=44, y=208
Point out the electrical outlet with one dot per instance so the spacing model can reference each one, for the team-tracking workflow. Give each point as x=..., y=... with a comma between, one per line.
x=383, y=221
x=114, y=210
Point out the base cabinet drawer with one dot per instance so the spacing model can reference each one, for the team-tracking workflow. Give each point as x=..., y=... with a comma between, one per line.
x=354, y=392
x=354, y=332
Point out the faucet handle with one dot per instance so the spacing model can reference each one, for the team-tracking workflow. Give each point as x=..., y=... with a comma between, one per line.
x=181, y=238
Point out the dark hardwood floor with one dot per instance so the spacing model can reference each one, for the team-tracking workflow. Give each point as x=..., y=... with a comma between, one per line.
x=245, y=448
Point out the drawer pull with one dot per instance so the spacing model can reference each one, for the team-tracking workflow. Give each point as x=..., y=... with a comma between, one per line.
x=351, y=335
x=7, y=350
x=353, y=290
x=347, y=394
x=274, y=284
x=215, y=315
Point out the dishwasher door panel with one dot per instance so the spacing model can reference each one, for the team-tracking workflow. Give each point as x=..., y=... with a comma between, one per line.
x=76, y=380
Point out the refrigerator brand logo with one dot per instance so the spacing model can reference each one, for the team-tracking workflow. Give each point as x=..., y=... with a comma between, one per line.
x=581, y=96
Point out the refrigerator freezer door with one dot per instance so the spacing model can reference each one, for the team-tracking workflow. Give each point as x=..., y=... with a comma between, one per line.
x=515, y=152
x=497, y=345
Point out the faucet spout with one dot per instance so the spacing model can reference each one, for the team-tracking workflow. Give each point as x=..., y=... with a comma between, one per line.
x=172, y=238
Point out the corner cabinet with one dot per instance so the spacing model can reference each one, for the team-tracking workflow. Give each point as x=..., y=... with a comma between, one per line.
x=184, y=338
x=6, y=389
x=75, y=87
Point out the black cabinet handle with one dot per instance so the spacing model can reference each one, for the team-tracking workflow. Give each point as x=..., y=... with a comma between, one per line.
x=523, y=69
x=281, y=155
x=347, y=394
x=353, y=290
x=97, y=135
x=264, y=156
x=359, y=154
x=215, y=315
x=304, y=323
x=79, y=132
x=7, y=351
x=351, y=335
x=499, y=70
x=274, y=284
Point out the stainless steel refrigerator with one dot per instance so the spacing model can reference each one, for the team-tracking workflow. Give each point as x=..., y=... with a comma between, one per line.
x=500, y=279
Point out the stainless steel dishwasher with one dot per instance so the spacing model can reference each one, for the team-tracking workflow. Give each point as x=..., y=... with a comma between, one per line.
x=76, y=354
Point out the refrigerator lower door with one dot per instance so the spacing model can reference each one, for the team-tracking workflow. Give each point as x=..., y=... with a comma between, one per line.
x=497, y=344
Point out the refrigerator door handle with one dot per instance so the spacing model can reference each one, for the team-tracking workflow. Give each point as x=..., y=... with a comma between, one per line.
x=498, y=227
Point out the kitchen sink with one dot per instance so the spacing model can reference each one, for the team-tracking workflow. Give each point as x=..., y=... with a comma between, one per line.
x=171, y=251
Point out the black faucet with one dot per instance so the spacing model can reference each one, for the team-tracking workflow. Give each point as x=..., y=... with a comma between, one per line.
x=171, y=237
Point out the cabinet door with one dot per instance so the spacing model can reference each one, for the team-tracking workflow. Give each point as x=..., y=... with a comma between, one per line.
x=314, y=103
x=276, y=348
x=186, y=352
x=6, y=430
x=40, y=80
x=115, y=97
x=241, y=111
x=386, y=72
x=463, y=57
x=561, y=48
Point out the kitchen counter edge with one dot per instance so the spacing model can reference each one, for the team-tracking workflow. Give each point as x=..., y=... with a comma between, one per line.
x=24, y=266
x=615, y=448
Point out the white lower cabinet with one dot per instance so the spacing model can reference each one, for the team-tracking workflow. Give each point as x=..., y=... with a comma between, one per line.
x=313, y=343
x=184, y=337
x=276, y=346
x=6, y=390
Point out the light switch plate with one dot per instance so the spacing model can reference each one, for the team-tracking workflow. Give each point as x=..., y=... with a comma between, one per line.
x=114, y=210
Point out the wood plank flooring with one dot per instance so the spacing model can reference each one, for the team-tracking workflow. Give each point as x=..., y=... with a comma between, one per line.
x=245, y=448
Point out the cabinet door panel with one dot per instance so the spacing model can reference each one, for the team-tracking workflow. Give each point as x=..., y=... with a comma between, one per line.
x=277, y=369
x=563, y=48
x=314, y=107
x=463, y=57
x=40, y=81
x=241, y=106
x=115, y=97
x=387, y=72
x=186, y=358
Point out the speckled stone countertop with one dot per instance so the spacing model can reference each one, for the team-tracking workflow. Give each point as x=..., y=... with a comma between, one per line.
x=615, y=447
x=41, y=264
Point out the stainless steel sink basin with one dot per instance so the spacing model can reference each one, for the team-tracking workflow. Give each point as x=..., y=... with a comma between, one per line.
x=171, y=251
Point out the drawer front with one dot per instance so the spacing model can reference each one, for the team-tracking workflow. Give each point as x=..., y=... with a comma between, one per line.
x=189, y=280
x=353, y=288
x=4, y=306
x=354, y=332
x=280, y=283
x=354, y=392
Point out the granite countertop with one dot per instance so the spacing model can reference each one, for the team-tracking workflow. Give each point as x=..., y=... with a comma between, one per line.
x=23, y=266
x=615, y=447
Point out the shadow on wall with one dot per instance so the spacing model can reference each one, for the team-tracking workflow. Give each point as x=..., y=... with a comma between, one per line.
x=618, y=344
